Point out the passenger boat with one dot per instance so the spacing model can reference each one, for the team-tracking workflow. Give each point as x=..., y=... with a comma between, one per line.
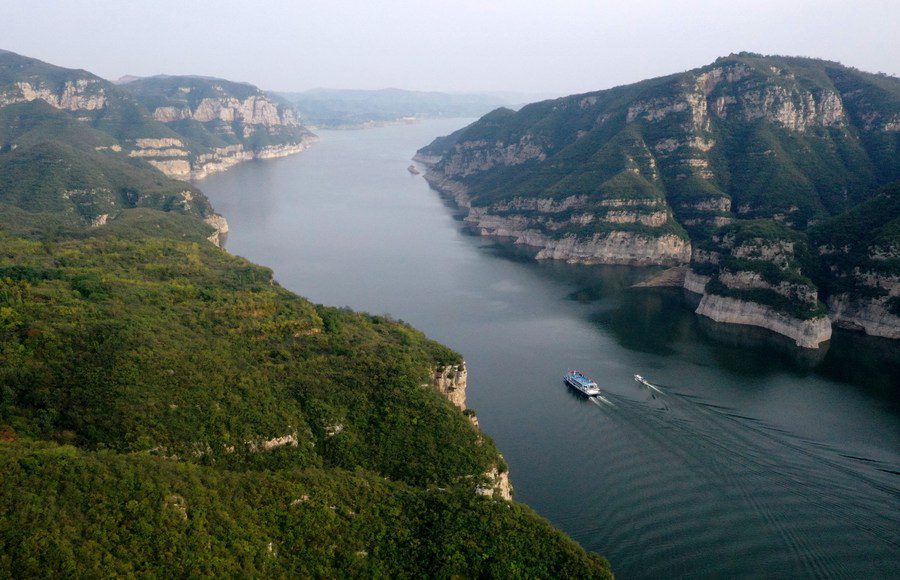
x=581, y=383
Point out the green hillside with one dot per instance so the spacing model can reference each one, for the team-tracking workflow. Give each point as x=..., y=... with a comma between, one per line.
x=793, y=142
x=167, y=409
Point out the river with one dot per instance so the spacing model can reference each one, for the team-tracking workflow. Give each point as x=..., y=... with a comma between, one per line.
x=753, y=458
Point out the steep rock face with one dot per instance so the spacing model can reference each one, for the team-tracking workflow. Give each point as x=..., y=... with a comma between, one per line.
x=228, y=122
x=805, y=333
x=452, y=381
x=750, y=273
x=220, y=225
x=614, y=248
x=83, y=94
x=694, y=282
x=767, y=148
x=547, y=225
x=870, y=316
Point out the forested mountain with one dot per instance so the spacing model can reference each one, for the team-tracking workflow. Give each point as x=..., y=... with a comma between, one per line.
x=168, y=409
x=223, y=122
x=184, y=126
x=729, y=167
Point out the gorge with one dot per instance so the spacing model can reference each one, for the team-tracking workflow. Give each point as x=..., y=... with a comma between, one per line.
x=752, y=441
x=170, y=407
x=181, y=411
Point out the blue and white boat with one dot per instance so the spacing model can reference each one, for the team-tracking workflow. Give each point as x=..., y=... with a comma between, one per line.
x=581, y=383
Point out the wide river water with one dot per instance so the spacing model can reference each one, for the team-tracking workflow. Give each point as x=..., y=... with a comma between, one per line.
x=753, y=458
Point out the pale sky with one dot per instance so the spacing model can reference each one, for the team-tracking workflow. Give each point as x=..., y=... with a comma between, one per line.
x=537, y=46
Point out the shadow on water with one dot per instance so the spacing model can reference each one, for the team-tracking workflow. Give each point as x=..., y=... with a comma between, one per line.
x=661, y=321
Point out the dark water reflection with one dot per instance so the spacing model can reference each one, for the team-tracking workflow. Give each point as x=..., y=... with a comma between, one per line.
x=754, y=458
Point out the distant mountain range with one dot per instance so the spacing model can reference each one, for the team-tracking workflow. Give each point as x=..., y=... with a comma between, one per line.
x=338, y=108
x=757, y=171
x=69, y=130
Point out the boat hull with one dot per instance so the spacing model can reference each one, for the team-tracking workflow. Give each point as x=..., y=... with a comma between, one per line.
x=586, y=391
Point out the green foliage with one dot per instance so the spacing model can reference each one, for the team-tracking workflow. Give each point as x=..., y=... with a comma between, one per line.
x=862, y=240
x=167, y=409
x=64, y=511
x=156, y=344
x=169, y=363
x=709, y=146
x=78, y=186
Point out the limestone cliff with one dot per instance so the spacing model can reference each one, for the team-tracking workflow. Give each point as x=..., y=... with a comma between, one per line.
x=662, y=172
x=871, y=316
x=220, y=227
x=805, y=333
x=547, y=226
x=452, y=381
x=187, y=127
x=751, y=274
x=227, y=122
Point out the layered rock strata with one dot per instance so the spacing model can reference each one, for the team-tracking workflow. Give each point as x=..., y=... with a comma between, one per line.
x=805, y=333
x=546, y=217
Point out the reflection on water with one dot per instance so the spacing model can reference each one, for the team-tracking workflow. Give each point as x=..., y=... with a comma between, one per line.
x=756, y=459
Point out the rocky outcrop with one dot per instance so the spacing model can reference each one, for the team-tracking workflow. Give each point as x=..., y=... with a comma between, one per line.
x=451, y=381
x=805, y=333
x=694, y=282
x=220, y=225
x=83, y=94
x=869, y=315
x=615, y=247
x=172, y=156
x=230, y=123
x=496, y=485
x=480, y=155
x=668, y=278
x=252, y=110
x=224, y=158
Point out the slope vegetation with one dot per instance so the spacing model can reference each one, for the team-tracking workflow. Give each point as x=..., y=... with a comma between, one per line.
x=674, y=169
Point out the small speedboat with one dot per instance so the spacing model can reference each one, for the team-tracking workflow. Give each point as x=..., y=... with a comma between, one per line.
x=646, y=383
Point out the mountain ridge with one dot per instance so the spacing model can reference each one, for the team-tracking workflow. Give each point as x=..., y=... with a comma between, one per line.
x=648, y=173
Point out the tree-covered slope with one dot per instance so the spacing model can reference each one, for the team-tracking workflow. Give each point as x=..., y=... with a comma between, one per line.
x=59, y=173
x=645, y=173
x=66, y=511
x=168, y=409
x=174, y=347
x=183, y=126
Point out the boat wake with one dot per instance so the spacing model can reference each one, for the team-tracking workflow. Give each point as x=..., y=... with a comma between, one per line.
x=600, y=400
x=793, y=506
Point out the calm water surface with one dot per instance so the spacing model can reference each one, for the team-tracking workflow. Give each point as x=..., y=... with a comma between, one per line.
x=754, y=459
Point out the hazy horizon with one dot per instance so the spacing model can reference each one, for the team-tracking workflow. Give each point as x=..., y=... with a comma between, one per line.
x=492, y=46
